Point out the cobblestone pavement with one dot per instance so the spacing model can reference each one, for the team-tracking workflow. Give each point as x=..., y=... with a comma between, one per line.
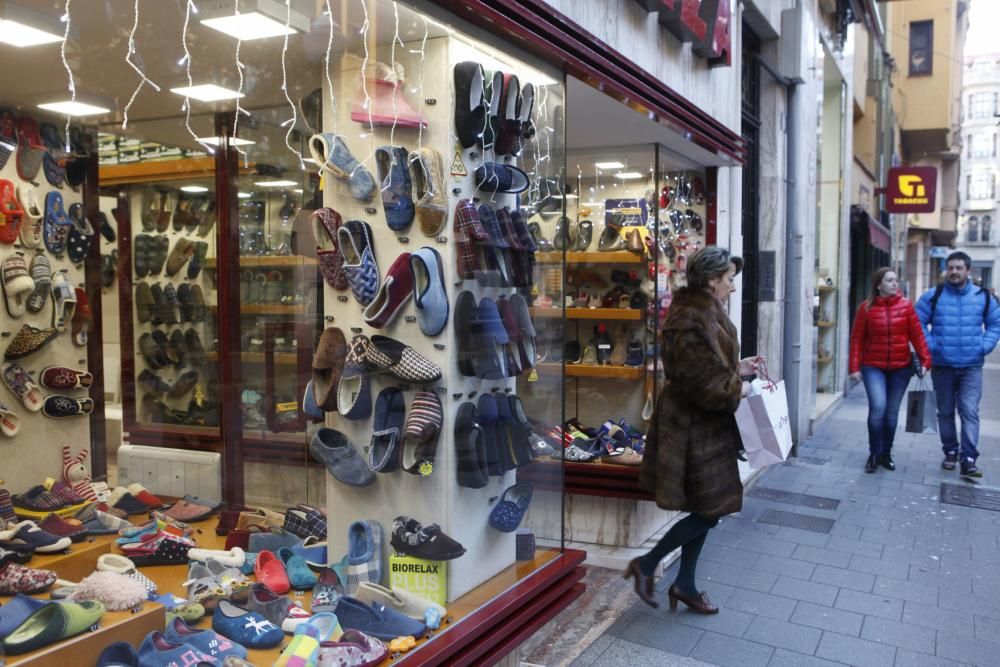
x=900, y=579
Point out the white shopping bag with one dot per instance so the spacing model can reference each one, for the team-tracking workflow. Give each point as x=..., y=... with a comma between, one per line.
x=764, y=425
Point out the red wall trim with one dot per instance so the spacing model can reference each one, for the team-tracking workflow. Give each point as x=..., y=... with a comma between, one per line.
x=95, y=337
x=555, y=38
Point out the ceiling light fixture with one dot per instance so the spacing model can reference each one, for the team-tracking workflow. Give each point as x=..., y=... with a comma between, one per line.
x=233, y=141
x=275, y=184
x=609, y=165
x=244, y=195
x=21, y=27
x=193, y=188
x=73, y=108
x=207, y=92
x=628, y=175
x=258, y=19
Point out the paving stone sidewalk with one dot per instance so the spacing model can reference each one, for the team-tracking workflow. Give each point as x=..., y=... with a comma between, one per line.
x=900, y=579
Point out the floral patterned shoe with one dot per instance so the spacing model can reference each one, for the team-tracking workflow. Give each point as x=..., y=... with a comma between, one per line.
x=355, y=649
x=16, y=579
x=22, y=386
x=57, y=406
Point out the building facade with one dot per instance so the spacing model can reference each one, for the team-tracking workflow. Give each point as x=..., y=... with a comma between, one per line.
x=977, y=231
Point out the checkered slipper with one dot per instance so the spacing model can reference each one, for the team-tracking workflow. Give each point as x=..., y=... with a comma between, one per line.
x=16, y=579
x=22, y=386
x=13, y=213
x=400, y=360
x=358, y=254
x=41, y=273
x=63, y=301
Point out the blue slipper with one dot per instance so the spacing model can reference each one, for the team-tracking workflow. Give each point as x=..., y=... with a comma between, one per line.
x=396, y=186
x=119, y=654
x=55, y=228
x=331, y=153
x=508, y=512
x=247, y=628
x=158, y=650
x=387, y=431
x=299, y=575
x=429, y=294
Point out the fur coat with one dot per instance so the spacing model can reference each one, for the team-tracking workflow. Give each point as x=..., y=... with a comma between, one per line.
x=691, y=446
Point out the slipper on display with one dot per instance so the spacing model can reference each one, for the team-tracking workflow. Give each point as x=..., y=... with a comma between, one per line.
x=17, y=284
x=31, y=224
x=8, y=136
x=80, y=235
x=80, y=324
x=55, y=228
x=57, y=406
x=28, y=341
x=30, y=151
x=63, y=301
x=21, y=385
x=41, y=273
x=10, y=423
x=11, y=213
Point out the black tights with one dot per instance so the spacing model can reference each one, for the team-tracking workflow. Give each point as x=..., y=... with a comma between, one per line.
x=689, y=534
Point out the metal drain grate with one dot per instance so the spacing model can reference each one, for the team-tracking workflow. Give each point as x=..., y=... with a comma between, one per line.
x=790, y=498
x=815, y=524
x=971, y=496
x=812, y=460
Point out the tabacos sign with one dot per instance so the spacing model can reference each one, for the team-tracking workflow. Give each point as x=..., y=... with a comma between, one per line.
x=704, y=23
x=911, y=190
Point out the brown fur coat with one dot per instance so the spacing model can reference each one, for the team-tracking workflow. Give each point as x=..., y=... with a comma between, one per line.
x=690, y=458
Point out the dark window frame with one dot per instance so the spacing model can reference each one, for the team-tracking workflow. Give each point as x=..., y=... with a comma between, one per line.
x=916, y=43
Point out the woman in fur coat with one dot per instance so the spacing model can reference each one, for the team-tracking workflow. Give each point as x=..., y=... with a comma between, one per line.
x=693, y=442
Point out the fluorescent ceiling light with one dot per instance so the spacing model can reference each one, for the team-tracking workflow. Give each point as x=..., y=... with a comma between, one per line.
x=593, y=203
x=233, y=141
x=194, y=188
x=249, y=26
x=244, y=195
x=628, y=175
x=609, y=165
x=72, y=108
x=21, y=26
x=297, y=191
x=207, y=92
x=275, y=184
x=21, y=35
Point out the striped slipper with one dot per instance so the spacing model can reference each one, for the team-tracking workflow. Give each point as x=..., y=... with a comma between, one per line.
x=423, y=424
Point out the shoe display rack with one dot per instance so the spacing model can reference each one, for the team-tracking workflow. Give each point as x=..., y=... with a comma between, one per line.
x=632, y=217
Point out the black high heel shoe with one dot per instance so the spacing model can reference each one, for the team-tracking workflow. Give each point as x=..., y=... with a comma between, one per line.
x=643, y=583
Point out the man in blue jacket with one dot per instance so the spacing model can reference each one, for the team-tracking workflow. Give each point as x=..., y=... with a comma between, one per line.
x=962, y=326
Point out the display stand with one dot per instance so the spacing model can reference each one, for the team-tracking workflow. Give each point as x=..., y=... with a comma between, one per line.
x=79, y=562
x=461, y=512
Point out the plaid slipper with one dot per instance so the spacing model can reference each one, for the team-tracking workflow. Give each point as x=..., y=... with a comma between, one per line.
x=355, y=241
x=325, y=222
x=37, y=499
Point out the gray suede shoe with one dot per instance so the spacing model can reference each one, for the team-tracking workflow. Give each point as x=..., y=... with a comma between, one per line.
x=333, y=449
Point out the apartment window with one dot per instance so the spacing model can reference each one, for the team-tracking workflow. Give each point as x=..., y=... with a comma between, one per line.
x=984, y=145
x=921, y=47
x=984, y=229
x=982, y=105
x=981, y=185
x=968, y=146
x=972, y=230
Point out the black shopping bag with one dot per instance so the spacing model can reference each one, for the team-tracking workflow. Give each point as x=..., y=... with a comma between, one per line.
x=921, y=410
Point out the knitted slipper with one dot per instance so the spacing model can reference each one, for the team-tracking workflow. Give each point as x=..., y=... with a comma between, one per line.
x=41, y=273
x=17, y=284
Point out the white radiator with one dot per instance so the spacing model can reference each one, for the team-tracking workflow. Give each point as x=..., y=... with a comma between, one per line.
x=171, y=472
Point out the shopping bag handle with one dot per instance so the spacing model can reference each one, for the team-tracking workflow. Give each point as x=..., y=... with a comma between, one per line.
x=771, y=385
x=922, y=383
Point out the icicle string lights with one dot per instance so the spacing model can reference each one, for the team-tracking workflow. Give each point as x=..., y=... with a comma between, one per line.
x=189, y=8
x=69, y=70
x=397, y=82
x=420, y=94
x=239, y=108
x=128, y=58
x=326, y=64
x=364, y=87
x=284, y=87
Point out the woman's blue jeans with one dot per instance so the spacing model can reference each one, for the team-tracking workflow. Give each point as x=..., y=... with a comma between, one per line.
x=885, y=392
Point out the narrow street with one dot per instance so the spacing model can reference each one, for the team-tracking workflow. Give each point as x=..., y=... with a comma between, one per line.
x=900, y=578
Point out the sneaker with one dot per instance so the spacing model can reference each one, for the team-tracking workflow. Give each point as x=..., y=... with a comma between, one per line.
x=885, y=460
x=969, y=469
x=871, y=464
x=950, y=461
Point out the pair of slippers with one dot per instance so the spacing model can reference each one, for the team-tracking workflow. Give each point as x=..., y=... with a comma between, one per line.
x=405, y=441
x=156, y=211
x=491, y=438
x=481, y=338
x=494, y=112
x=150, y=254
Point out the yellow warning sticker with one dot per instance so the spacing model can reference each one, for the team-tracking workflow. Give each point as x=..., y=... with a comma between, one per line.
x=457, y=165
x=533, y=375
x=286, y=407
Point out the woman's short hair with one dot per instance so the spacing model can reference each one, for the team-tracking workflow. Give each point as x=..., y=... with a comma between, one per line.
x=710, y=262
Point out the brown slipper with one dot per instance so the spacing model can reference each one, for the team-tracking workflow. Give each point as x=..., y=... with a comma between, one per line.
x=327, y=367
x=428, y=190
x=29, y=340
x=179, y=256
x=144, y=301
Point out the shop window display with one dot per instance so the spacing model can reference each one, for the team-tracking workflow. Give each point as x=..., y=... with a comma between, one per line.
x=333, y=295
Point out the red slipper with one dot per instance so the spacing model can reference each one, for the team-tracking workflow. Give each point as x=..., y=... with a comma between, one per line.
x=81, y=318
x=270, y=571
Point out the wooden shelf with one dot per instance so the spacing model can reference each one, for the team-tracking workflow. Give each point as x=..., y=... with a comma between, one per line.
x=280, y=358
x=589, y=313
x=619, y=257
x=593, y=371
x=825, y=325
x=150, y=171
x=267, y=309
x=269, y=262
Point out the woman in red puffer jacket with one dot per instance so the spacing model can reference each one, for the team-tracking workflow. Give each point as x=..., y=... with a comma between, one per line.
x=884, y=329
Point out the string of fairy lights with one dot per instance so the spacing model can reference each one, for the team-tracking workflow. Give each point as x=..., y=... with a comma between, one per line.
x=291, y=122
x=143, y=79
x=67, y=19
x=239, y=93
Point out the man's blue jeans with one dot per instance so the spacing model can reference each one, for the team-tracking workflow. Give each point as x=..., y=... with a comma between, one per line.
x=885, y=391
x=961, y=388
